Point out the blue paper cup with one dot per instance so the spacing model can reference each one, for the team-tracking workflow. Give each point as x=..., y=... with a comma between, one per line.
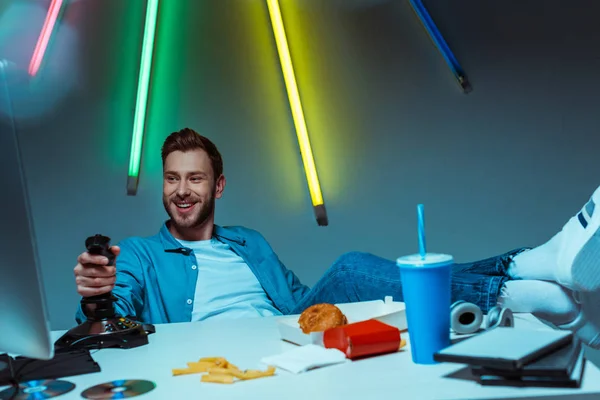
x=426, y=289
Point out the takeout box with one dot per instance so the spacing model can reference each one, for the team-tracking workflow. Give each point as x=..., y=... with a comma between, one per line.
x=387, y=311
x=364, y=338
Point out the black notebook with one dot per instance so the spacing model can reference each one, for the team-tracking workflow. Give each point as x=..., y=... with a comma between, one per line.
x=572, y=381
x=505, y=348
x=559, y=364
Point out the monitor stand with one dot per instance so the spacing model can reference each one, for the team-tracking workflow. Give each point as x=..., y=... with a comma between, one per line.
x=32, y=389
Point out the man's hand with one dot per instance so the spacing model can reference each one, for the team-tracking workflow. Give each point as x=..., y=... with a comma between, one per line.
x=92, y=276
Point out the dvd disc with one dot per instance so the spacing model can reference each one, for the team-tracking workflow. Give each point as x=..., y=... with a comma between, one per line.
x=118, y=389
x=34, y=390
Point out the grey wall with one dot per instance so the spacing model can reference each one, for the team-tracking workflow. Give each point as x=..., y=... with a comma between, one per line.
x=502, y=167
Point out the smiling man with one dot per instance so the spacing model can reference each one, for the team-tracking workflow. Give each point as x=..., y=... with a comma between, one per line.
x=194, y=270
x=193, y=180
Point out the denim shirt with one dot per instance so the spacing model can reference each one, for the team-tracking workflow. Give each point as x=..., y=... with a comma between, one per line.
x=155, y=281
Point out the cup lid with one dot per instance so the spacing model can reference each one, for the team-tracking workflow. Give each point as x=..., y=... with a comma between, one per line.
x=431, y=260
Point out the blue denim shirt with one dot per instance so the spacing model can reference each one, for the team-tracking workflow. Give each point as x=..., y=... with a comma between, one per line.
x=155, y=278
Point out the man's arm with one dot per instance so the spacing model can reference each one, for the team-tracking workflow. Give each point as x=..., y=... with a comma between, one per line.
x=129, y=284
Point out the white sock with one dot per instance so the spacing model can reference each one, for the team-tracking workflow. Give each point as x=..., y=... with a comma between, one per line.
x=545, y=300
x=538, y=263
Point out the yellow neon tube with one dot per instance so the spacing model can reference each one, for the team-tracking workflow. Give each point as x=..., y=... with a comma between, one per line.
x=295, y=104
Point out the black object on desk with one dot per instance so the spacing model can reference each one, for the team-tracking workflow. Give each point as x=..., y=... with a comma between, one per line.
x=559, y=364
x=103, y=327
x=573, y=380
x=563, y=367
x=521, y=358
x=505, y=348
x=71, y=363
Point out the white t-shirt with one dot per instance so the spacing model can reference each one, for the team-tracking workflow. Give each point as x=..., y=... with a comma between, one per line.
x=226, y=287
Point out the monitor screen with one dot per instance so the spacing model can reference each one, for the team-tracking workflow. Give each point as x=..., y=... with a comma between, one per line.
x=25, y=329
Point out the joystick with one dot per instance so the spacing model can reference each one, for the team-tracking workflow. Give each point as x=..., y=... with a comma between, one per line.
x=103, y=327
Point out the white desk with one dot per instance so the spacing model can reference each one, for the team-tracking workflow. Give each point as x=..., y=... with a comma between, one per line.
x=245, y=342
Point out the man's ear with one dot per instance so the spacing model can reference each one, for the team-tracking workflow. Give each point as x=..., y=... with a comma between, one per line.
x=220, y=186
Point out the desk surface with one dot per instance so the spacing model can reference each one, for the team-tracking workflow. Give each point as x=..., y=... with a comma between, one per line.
x=245, y=342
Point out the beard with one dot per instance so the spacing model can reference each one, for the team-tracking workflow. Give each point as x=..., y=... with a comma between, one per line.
x=195, y=218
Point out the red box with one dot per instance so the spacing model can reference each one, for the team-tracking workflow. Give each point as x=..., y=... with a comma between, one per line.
x=365, y=338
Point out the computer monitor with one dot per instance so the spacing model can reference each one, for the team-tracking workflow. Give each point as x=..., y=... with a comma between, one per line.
x=24, y=325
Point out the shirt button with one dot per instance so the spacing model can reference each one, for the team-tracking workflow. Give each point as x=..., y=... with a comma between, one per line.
x=194, y=267
x=189, y=301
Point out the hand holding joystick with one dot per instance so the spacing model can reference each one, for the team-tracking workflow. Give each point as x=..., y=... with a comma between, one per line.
x=103, y=327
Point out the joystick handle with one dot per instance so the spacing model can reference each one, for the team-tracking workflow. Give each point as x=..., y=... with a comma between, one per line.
x=100, y=245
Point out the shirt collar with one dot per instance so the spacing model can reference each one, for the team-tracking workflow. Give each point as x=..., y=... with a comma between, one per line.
x=171, y=244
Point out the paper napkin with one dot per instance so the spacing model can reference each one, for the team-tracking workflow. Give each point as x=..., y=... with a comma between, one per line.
x=303, y=358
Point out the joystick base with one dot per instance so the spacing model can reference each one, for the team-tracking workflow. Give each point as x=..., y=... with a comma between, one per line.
x=117, y=332
x=103, y=328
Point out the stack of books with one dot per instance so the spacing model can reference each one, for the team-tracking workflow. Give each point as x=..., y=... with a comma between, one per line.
x=563, y=367
x=517, y=357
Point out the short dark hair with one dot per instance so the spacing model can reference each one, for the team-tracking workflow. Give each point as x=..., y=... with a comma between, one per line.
x=187, y=140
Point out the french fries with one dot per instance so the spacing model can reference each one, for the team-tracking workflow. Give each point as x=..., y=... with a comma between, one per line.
x=221, y=371
x=217, y=378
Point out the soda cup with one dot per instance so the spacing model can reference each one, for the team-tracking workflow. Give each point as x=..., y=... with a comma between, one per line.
x=426, y=288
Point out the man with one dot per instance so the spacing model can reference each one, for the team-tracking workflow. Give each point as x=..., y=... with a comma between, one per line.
x=194, y=270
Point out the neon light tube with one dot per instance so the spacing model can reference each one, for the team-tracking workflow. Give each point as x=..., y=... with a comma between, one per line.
x=139, y=122
x=297, y=113
x=44, y=38
x=441, y=44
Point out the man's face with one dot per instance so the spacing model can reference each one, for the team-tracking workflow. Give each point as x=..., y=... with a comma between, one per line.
x=189, y=188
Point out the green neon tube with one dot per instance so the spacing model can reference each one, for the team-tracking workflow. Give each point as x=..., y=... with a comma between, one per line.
x=139, y=122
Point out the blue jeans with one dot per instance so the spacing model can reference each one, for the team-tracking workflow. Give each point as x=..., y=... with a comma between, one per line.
x=359, y=276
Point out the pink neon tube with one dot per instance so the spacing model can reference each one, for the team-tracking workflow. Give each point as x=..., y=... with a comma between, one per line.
x=42, y=43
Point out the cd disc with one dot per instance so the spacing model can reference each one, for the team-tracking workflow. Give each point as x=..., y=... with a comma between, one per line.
x=34, y=390
x=118, y=389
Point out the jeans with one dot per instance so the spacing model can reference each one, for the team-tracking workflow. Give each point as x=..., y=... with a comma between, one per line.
x=357, y=276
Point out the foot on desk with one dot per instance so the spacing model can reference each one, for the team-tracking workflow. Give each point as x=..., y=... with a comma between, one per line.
x=571, y=257
x=545, y=300
x=586, y=326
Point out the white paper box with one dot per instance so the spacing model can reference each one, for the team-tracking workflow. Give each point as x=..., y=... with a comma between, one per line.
x=389, y=312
